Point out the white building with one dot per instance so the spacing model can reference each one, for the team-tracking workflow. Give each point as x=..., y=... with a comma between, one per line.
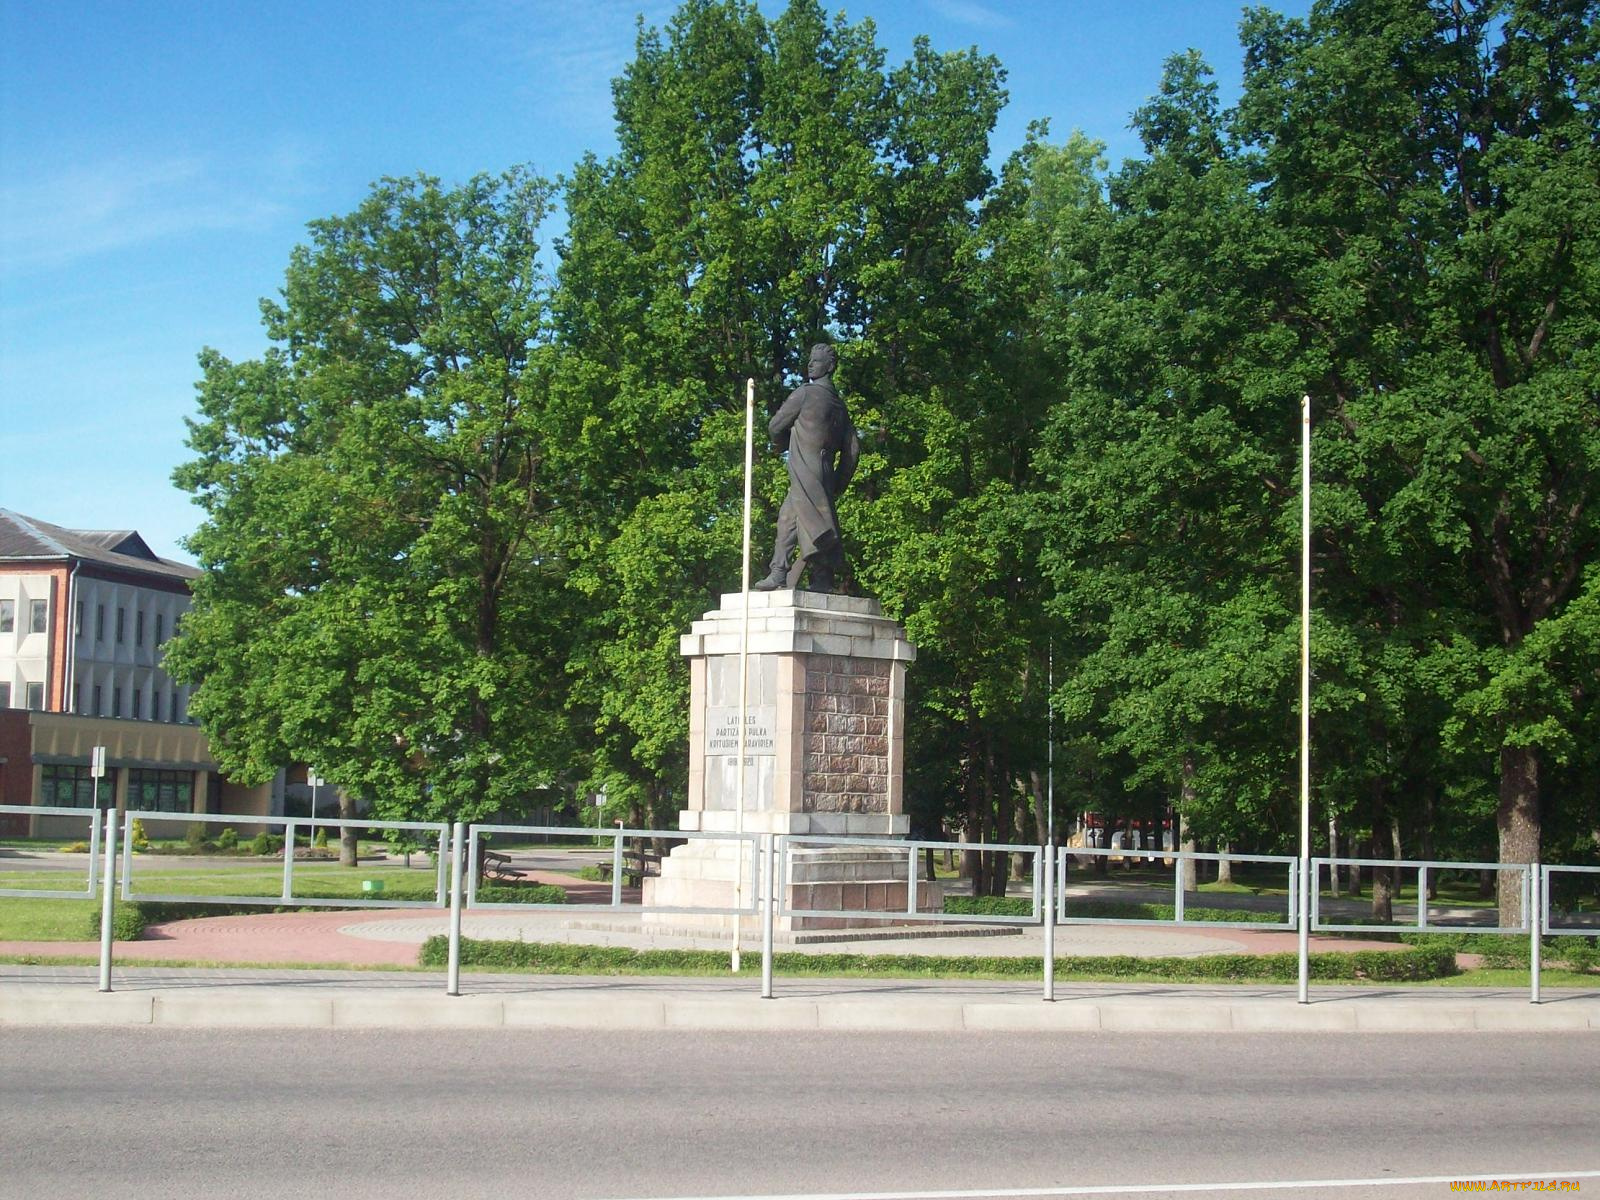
x=83, y=619
x=84, y=615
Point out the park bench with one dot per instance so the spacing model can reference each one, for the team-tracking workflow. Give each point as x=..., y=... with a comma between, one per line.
x=635, y=866
x=496, y=867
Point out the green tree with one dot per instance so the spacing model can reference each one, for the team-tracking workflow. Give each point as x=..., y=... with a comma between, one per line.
x=1399, y=219
x=384, y=543
x=775, y=186
x=1438, y=169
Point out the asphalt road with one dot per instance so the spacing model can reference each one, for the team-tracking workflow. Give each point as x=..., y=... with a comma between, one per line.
x=177, y=1114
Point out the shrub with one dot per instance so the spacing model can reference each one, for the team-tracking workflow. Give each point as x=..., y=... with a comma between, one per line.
x=194, y=837
x=264, y=843
x=988, y=906
x=1580, y=953
x=525, y=893
x=75, y=848
x=228, y=838
x=320, y=842
x=137, y=838
x=1395, y=966
x=128, y=920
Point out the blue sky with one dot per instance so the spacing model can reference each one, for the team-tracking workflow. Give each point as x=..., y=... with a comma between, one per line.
x=159, y=160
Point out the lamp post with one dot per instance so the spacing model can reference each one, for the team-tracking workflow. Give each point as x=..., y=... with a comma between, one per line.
x=316, y=781
x=1308, y=878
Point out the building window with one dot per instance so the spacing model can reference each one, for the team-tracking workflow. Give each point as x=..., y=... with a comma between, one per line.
x=99, y=622
x=122, y=625
x=77, y=697
x=35, y=693
x=138, y=705
x=161, y=628
x=116, y=702
x=5, y=695
x=161, y=791
x=77, y=629
x=172, y=706
x=39, y=615
x=99, y=702
x=73, y=787
x=138, y=628
x=8, y=616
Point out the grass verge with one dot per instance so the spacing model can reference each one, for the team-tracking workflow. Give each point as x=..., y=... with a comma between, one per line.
x=1398, y=966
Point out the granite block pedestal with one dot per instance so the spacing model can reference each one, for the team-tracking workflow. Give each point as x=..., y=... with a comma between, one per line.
x=824, y=755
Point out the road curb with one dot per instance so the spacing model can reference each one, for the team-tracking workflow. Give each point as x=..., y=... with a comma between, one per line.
x=287, y=1007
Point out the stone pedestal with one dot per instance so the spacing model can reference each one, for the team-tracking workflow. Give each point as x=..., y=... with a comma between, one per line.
x=824, y=754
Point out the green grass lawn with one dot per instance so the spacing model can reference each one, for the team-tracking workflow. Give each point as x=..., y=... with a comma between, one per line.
x=25, y=919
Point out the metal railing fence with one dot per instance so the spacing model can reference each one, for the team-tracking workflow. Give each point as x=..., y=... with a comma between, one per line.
x=619, y=837
x=1422, y=922
x=1179, y=892
x=769, y=872
x=286, y=893
x=1547, y=920
x=911, y=850
x=91, y=879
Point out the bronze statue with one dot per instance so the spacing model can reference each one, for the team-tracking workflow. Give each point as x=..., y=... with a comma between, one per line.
x=814, y=426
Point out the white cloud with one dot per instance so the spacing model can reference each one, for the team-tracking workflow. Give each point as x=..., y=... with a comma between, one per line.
x=969, y=12
x=126, y=201
x=569, y=52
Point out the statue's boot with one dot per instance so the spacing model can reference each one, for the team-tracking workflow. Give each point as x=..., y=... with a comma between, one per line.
x=776, y=578
x=821, y=579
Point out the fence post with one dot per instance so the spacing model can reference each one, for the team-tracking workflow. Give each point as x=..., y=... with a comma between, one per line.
x=288, y=861
x=1047, y=863
x=1177, y=888
x=453, y=975
x=616, y=870
x=769, y=892
x=1307, y=885
x=1537, y=884
x=105, y=900
x=441, y=882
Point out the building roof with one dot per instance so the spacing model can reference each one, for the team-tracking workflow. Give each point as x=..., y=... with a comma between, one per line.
x=25, y=539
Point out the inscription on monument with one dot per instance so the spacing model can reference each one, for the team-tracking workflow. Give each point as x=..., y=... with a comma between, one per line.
x=722, y=730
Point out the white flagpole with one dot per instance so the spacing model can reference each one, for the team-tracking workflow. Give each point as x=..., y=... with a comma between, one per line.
x=744, y=667
x=1308, y=879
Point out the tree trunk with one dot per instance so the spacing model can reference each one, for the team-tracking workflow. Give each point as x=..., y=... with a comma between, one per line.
x=1041, y=806
x=1333, y=852
x=1429, y=788
x=1185, y=839
x=1021, y=862
x=1186, y=846
x=1517, y=821
x=348, y=834
x=1224, y=867
x=1385, y=880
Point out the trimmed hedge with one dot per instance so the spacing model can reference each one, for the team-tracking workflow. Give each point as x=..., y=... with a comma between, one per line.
x=522, y=893
x=1396, y=966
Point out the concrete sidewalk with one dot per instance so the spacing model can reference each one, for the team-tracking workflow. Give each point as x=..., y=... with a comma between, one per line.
x=242, y=998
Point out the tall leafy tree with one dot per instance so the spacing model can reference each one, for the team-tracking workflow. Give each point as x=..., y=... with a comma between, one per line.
x=384, y=543
x=1438, y=167
x=1400, y=218
x=776, y=185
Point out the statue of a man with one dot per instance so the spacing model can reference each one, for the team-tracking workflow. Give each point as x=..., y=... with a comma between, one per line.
x=815, y=428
